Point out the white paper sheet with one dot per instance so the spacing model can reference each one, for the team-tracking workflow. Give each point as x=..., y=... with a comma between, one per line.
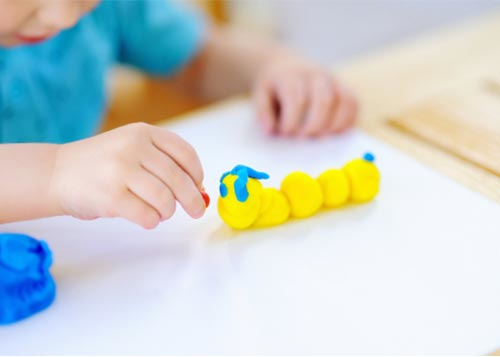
x=415, y=272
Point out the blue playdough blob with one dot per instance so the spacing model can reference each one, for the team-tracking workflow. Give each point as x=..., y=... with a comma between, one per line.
x=26, y=286
x=240, y=185
x=368, y=156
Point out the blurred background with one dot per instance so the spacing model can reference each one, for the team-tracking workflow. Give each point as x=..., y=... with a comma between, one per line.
x=333, y=31
x=329, y=31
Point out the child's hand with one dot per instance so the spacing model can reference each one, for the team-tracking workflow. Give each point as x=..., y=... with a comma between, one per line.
x=295, y=97
x=137, y=172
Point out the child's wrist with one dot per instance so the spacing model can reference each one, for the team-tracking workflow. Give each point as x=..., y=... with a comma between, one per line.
x=275, y=55
x=52, y=192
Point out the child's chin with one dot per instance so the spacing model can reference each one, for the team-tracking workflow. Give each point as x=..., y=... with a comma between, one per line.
x=13, y=41
x=10, y=42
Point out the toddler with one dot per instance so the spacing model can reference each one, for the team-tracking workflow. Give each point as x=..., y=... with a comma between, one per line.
x=54, y=57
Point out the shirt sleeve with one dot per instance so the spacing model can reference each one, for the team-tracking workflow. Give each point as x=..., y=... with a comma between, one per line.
x=158, y=36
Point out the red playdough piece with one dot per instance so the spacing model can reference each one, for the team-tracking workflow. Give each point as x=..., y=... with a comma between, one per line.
x=206, y=198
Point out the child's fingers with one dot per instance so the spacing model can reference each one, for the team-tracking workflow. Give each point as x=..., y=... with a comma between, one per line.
x=346, y=112
x=180, y=183
x=292, y=97
x=181, y=152
x=351, y=112
x=134, y=209
x=322, y=106
x=265, y=103
x=154, y=192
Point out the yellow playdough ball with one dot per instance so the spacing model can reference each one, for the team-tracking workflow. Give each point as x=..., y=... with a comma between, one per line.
x=304, y=194
x=364, y=178
x=275, y=209
x=335, y=186
x=236, y=214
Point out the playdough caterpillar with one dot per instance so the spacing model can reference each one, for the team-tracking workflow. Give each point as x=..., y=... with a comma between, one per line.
x=244, y=202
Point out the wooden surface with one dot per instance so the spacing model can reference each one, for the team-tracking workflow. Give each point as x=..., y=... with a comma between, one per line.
x=137, y=97
x=437, y=98
x=460, y=127
x=464, y=121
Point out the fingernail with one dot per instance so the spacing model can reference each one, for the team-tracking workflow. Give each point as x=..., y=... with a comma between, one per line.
x=200, y=211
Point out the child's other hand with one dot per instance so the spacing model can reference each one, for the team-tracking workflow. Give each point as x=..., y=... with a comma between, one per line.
x=297, y=98
x=137, y=172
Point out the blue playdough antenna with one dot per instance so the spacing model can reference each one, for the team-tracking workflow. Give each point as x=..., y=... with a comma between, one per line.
x=243, y=172
x=368, y=156
x=26, y=286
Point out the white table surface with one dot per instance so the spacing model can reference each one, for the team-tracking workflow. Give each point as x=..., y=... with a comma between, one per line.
x=417, y=271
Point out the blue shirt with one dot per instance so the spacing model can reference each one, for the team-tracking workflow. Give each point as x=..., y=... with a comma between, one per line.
x=55, y=91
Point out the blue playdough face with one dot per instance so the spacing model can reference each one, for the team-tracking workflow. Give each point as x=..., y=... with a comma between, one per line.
x=26, y=285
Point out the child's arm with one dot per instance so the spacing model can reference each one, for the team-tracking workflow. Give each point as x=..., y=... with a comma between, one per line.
x=137, y=172
x=25, y=181
x=293, y=96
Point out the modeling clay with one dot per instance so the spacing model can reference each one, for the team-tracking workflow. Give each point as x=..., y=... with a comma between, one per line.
x=244, y=202
x=206, y=198
x=364, y=178
x=304, y=194
x=26, y=286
